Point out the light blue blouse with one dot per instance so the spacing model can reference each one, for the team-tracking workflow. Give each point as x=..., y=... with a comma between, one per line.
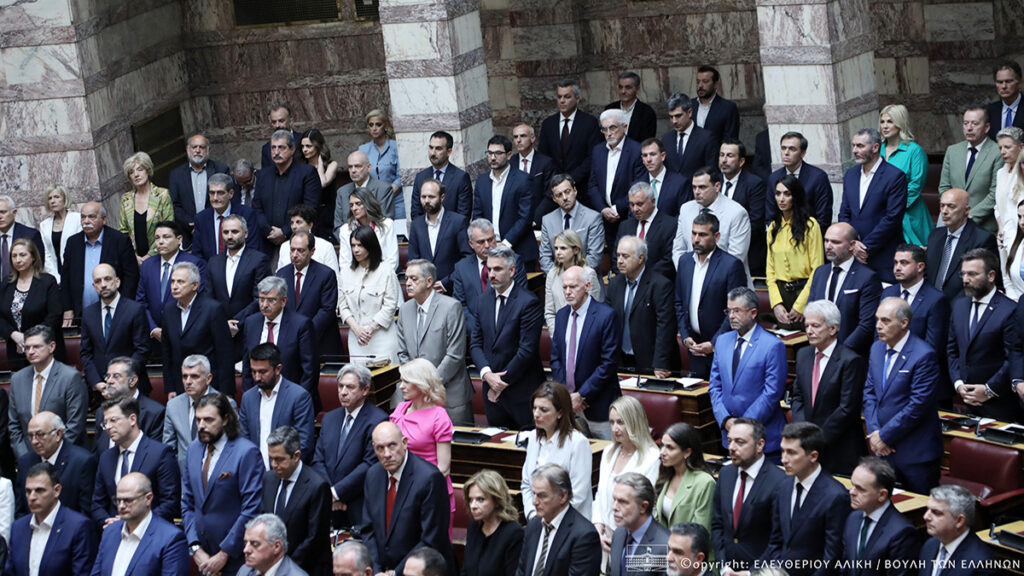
x=384, y=164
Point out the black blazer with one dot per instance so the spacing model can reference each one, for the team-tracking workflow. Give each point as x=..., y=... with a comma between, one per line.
x=458, y=195
x=575, y=549
x=466, y=286
x=452, y=245
x=301, y=186
x=151, y=422
x=296, y=339
x=995, y=118
x=206, y=333
x=541, y=171
x=750, y=193
x=652, y=328
x=20, y=230
x=116, y=251
x=972, y=236
x=76, y=468
x=747, y=542
x=307, y=516
x=971, y=550
x=252, y=267
x=318, y=302
x=180, y=189
x=659, y=234
x=857, y=300
x=836, y=408
x=701, y=151
x=154, y=459
x=893, y=540
x=500, y=557
x=643, y=123
x=129, y=336
x=585, y=134
x=673, y=192
x=816, y=531
x=42, y=306
x=723, y=118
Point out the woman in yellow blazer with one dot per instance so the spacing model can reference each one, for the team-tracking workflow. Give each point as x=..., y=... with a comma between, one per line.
x=795, y=250
x=143, y=206
x=685, y=488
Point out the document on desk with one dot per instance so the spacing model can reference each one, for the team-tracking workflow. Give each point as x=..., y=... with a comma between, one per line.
x=783, y=332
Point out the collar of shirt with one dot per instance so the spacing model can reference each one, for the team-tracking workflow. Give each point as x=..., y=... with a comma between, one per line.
x=735, y=181
x=978, y=146
x=660, y=176
x=169, y=260
x=871, y=171
x=272, y=571
x=426, y=303
x=301, y=270
x=984, y=300
x=45, y=372
x=188, y=306
x=876, y=514
x=898, y=348
x=437, y=223
x=139, y=531
x=199, y=169
x=718, y=207
x=133, y=448
x=53, y=457
x=1015, y=106
x=573, y=212
x=808, y=482
x=237, y=256
x=218, y=446
x=398, y=473
x=639, y=533
x=558, y=519
x=99, y=239
x=952, y=546
x=710, y=102
x=354, y=413
x=639, y=275
x=225, y=213
x=845, y=265
x=500, y=179
x=651, y=217
x=113, y=303
x=829, y=350
x=528, y=157
x=707, y=259
x=913, y=290
x=956, y=233
x=685, y=132
x=273, y=391
x=797, y=171
x=631, y=106
x=276, y=319
x=755, y=468
x=48, y=521
x=581, y=312
x=295, y=475
x=442, y=169
x=571, y=117
x=746, y=335
x=507, y=290
x=613, y=149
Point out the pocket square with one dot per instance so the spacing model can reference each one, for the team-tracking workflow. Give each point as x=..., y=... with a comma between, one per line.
x=904, y=371
x=224, y=475
x=851, y=291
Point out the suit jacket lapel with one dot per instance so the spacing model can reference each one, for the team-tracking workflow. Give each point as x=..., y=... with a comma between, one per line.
x=827, y=376
x=749, y=346
x=140, y=551
x=503, y=313
x=897, y=364
x=426, y=323
x=400, y=496
x=985, y=315
x=712, y=268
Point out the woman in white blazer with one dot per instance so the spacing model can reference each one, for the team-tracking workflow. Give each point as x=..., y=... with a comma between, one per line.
x=56, y=229
x=368, y=298
x=365, y=210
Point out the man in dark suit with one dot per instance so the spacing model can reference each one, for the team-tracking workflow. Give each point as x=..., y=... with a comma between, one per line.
x=947, y=245
x=715, y=114
x=69, y=545
x=874, y=200
x=984, y=345
x=705, y=278
x=313, y=293
x=504, y=343
x=122, y=381
x=207, y=237
x=344, y=451
x=829, y=388
x=810, y=509
x=641, y=118
x=406, y=504
x=688, y=147
x=568, y=136
x=194, y=324
x=1006, y=111
x=301, y=497
x=503, y=196
x=245, y=176
x=818, y=190
x=741, y=512
x=95, y=244
x=633, y=500
x=689, y=547
x=244, y=267
x=571, y=545
x=471, y=277
x=359, y=172
x=188, y=183
x=670, y=189
x=292, y=332
x=900, y=411
x=112, y=327
x=585, y=353
x=954, y=549
x=439, y=235
x=456, y=181
x=283, y=184
x=133, y=451
x=179, y=420
x=648, y=330
x=850, y=285
x=749, y=191
x=656, y=228
x=75, y=466
x=875, y=531
x=280, y=116
x=11, y=231
x=608, y=192
x=288, y=404
x=222, y=487
x=538, y=166
x=155, y=273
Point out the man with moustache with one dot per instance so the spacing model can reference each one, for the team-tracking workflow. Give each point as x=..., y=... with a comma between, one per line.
x=96, y=244
x=689, y=550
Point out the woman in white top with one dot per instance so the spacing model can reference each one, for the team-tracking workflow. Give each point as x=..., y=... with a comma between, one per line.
x=365, y=210
x=6, y=509
x=56, y=229
x=302, y=219
x=368, y=298
x=568, y=249
x=556, y=440
x=1013, y=270
x=632, y=450
x=1009, y=187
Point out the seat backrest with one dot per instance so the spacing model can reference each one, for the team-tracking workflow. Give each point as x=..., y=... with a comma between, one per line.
x=998, y=467
x=73, y=346
x=545, y=348
x=663, y=410
x=328, y=388
x=479, y=414
x=156, y=381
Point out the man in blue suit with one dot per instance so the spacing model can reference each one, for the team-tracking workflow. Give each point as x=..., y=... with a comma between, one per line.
x=750, y=381
x=984, y=346
x=608, y=193
x=705, y=278
x=504, y=343
x=875, y=531
x=900, y=411
x=282, y=185
x=187, y=183
x=874, y=200
x=511, y=210
x=69, y=545
x=155, y=273
x=585, y=351
x=670, y=189
x=161, y=547
x=344, y=451
x=715, y=114
x=292, y=332
x=112, y=327
x=688, y=147
x=222, y=488
x=954, y=549
x=81, y=257
x=810, y=509
x=747, y=190
x=439, y=235
x=568, y=136
x=406, y=504
x=455, y=179
x=313, y=293
x=289, y=404
x=793, y=148
x=75, y=465
x=207, y=239
x=850, y=285
x=471, y=277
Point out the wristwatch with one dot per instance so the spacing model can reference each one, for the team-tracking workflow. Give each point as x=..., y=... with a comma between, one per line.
x=193, y=549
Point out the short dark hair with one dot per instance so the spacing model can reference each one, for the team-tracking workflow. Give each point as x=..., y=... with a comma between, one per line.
x=885, y=476
x=808, y=433
x=434, y=563
x=44, y=468
x=219, y=401
x=987, y=257
x=128, y=405
x=709, y=171
x=501, y=140
x=170, y=225
x=43, y=330
x=705, y=219
x=798, y=136
x=712, y=69
x=630, y=75
x=917, y=253
x=310, y=239
x=448, y=140
x=266, y=352
x=700, y=540
x=655, y=141
x=734, y=142
x=976, y=106
x=304, y=211
x=760, y=433
x=557, y=179
x=1008, y=65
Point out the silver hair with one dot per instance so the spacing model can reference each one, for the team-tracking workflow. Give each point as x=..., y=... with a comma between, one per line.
x=221, y=180
x=57, y=422
x=744, y=295
x=275, y=529
x=827, y=310
x=193, y=360
x=679, y=100
x=362, y=554
x=642, y=188
x=873, y=136
x=273, y=284
x=427, y=268
x=243, y=166
x=569, y=84
x=9, y=200
x=615, y=114
x=241, y=221
x=643, y=490
x=959, y=500
x=503, y=252
x=285, y=436
x=530, y=128
x=285, y=135
x=482, y=224
x=556, y=476
x=1011, y=132
x=193, y=271
x=362, y=373
x=639, y=245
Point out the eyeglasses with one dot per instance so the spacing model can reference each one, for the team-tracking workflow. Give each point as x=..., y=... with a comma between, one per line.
x=111, y=422
x=735, y=311
x=606, y=129
x=33, y=435
x=129, y=500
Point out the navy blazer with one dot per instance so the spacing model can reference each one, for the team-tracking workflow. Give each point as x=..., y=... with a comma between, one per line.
x=659, y=233
x=180, y=188
x=70, y=549
x=76, y=468
x=929, y=323
x=516, y=214
x=541, y=171
x=154, y=459
x=725, y=272
x=750, y=193
x=816, y=531
x=296, y=338
x=879, y=222
x=466, y=285
x=162, y=550
x=318, y=302
x=968, y=559
x=857, y=300
x=673, y=192
x=458, y=195
x=597, y=357
x=452, y=245
x=149, y=285
x=723, y=119
x=129, y=336
x=301, y=186
x=996, y=119
x=151, y=422
x=629, y=170
x=652, y=326
x=252, y=267
x=893, y=541
x=206, y=333
x=574, y=551
x=742, y=545
x=294, y=407
x=420, y=517
x=116, y=251
x=701, y=151
x=817, y=188
x=345, y=466
x=643, y=122
x=972, y=236
x=204, y=240
x=306, y=516
x=584, y=135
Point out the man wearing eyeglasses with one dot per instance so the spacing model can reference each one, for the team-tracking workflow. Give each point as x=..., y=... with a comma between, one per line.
x=133, y=451
x=122, y=380
x=75, y=465
x=615, y=165
x=504, y=197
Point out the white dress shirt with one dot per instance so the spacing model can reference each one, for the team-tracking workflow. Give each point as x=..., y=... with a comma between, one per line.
x=526, y=161
x=703, y=110
x=898, y=348
x=977, y=152
x=657, y=181
x=700, y=272
x=133, y=449
x=291, y=485
x=433, y=228
x=844, y=269
x=561, y=122
x=807, y=483
x=614, y=155
x=129, y=544
x=826, y=355
x=752, y=472
x=912, y=290
x=497, y=189
x=950, y=550
x=734, y=227
x=218, y=449
x=277, y=327
x=231, y=267
x=40, y=536
x=551, y=552
x=581, y=317
x=267, y=404
x=865, y=180
x=185, y=310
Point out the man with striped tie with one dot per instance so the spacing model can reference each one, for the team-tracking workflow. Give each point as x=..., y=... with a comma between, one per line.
x=558, y=539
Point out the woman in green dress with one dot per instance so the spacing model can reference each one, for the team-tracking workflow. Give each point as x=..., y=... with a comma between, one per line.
x=900, y=150
x=685, y=488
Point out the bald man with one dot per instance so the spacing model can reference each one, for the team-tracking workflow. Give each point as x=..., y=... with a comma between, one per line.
x=359, y=171
x=97, y=243
x=112, y=327
x=947, y=245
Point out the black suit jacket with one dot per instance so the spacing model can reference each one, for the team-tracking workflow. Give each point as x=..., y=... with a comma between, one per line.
x=296, y=338
x=345, y=466
x=651, y=320
x=836, y=407
x=893, y=540
x=723, y=118
x=857, y=300
x=701, y=150
x=655, y=539
x=180, y=188
x=42, y=306
x=206, y=333
x=585, y=134
x=20, y=230
x=252, y=267
x=643, y=123
x=972, y=236
x=116, y=251
x=452, y=244
x=154, y=459
x=747, y=542
x=129, y=336
x=76, y=468
x=541, y=171
x=750, y=193
x=995, y=118
x=151, y=422
x=265, y=157
x=458, y=191
x=301, y=186
x=318, y=302
x=575, y=549
x=659, y=234
x=673, y=191
x=816, y=531
x=307, y=516
x=966, y=561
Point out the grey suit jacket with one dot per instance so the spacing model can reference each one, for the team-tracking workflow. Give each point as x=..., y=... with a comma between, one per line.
x=654, y=542
x=178, y=427
x=383, y=191
x=287, y=568
x=981, y=185
x=65, y=394
x=443, y=343
x=587, y=223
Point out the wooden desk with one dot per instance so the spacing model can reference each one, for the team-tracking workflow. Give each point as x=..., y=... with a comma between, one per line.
x=1012, y=559
x=385, y=381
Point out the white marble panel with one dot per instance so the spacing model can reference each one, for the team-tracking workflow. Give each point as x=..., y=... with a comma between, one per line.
x=21, y=15
x=52, y=117
x=32, y=64
x=471, y=87
x=126, y=38
x=503, y=91
x=424, y=95
x=799, y=25
x=392, y=3
x=798, y=85
x=961, y=22
x=153, y=83
x=474, y=142
x=855, y=77
x=599, y=87
x=411, y=41
x=466, y=33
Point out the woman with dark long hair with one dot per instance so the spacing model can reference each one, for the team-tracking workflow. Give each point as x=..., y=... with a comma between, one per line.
x=368, y=298
x=685, y=488
x=795, y=249
x=317, y=154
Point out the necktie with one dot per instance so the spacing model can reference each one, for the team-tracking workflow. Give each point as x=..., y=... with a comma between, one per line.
x=942, y=561
x=833, y=283
x=816, y=376
x=1008, y=120
x=654, y=189
x=220, y=237
x=392, y=491
x=627, y=341
x=737, y=507
x=298, y=287
x=539, y=569
x=728, y=187
x=970, y=163
x=498, y=309
x=124, y=463
x=192, y=416
x=164, y=277
x=975, y=317
x=483, y=278
x=526, y=165
x=947, y=255
x=627, y=551
x=5, y=257
x=885, y=370
x=282, y=498
x=345, y=428
x=206, y=465
x=270, y=332
x=679, y=143
x=565, y=137
x=437, y=175
x=570, y=366
x=39, y=393
x=799, y=494
x=865, y=526
x=643, y=229
x=421, y=317
x=737, y=352
x=566, y=226
x=906, y=295
x=107, y=319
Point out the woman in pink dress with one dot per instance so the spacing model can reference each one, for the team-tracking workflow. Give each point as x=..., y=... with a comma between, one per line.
x=423, y=419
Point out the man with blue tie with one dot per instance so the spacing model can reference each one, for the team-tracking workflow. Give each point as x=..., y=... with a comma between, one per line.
x=504, y=197
x=1006, y=111
x=669, y=188
x=460, y=190
x=155, y=274
x=954, y=549
x=875, y=531
x=112, y=327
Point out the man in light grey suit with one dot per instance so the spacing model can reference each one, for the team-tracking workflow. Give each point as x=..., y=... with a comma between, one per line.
x=972, y=166
x=432, y=326
x=570, y=214
x=266, y=542
x=46, y=385
x=359, y=170
x=179, y=418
